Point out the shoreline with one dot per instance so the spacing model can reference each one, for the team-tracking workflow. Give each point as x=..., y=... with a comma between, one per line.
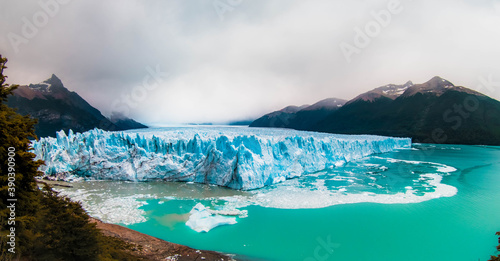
x=152, y=248
x=147, y=247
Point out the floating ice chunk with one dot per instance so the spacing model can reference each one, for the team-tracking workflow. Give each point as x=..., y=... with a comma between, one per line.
x=446, y=169
x=202, y=220
x=229, y=212
x=73, y=178
x=109, y=208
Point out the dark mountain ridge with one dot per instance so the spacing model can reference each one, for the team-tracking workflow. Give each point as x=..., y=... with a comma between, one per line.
x=433, y=112
x=391, y=91
x=57, y=108
x=299, y=117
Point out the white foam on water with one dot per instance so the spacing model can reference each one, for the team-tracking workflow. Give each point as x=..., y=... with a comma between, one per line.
x=440, y=167
x=108, y=208
x=313, y=191
x=446, y=169
x=294, y=196
x=120, y=210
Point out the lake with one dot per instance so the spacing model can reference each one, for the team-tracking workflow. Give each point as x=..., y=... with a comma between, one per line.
x=430, y=202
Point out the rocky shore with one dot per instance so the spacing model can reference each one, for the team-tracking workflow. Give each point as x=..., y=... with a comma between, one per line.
x=152, y=248
x=147, y=247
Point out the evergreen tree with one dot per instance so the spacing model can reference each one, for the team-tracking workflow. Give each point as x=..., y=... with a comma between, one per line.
x=15, y=131
x=496, y=258
x=46, y=225
x=67, y=232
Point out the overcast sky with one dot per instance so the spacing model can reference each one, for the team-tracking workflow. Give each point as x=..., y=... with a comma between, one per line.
x=181, y=61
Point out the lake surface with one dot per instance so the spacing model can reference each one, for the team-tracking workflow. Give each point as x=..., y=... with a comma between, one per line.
x=431, y=202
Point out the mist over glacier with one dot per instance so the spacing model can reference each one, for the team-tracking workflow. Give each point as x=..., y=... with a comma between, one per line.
x=238, y=158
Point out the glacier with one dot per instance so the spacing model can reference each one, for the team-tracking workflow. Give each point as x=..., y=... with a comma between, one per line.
x=235, y=157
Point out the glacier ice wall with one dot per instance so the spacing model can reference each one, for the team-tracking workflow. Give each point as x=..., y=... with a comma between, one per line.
x=239, y=158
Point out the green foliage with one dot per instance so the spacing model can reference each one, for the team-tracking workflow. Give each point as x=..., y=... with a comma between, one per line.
x=496, y=258
x=15, y=131
x=67, y=232
x=47, y=226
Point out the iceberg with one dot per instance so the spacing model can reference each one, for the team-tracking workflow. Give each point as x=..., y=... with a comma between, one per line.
x=203, y=220
x=234, y=157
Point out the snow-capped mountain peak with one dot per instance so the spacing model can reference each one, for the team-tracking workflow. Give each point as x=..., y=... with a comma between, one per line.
x=391, y=91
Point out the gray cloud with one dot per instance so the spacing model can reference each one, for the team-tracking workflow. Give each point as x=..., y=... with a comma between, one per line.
x=262, y=56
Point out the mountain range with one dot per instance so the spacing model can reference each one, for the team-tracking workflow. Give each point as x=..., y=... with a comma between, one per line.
x=57, y=108
x=299, y=117
x=433, y=112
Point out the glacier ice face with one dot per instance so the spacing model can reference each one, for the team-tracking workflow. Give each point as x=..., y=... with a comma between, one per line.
x=235, y=157
x=202, y=220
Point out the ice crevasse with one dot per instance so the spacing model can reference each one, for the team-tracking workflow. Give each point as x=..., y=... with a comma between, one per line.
x=239, y=158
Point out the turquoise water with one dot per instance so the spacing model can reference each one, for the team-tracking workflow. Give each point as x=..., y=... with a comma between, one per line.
x=326, y=216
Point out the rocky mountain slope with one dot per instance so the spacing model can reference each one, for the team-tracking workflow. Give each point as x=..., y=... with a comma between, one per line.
x=433, y=112
x=57, y=108
x=299, y=118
